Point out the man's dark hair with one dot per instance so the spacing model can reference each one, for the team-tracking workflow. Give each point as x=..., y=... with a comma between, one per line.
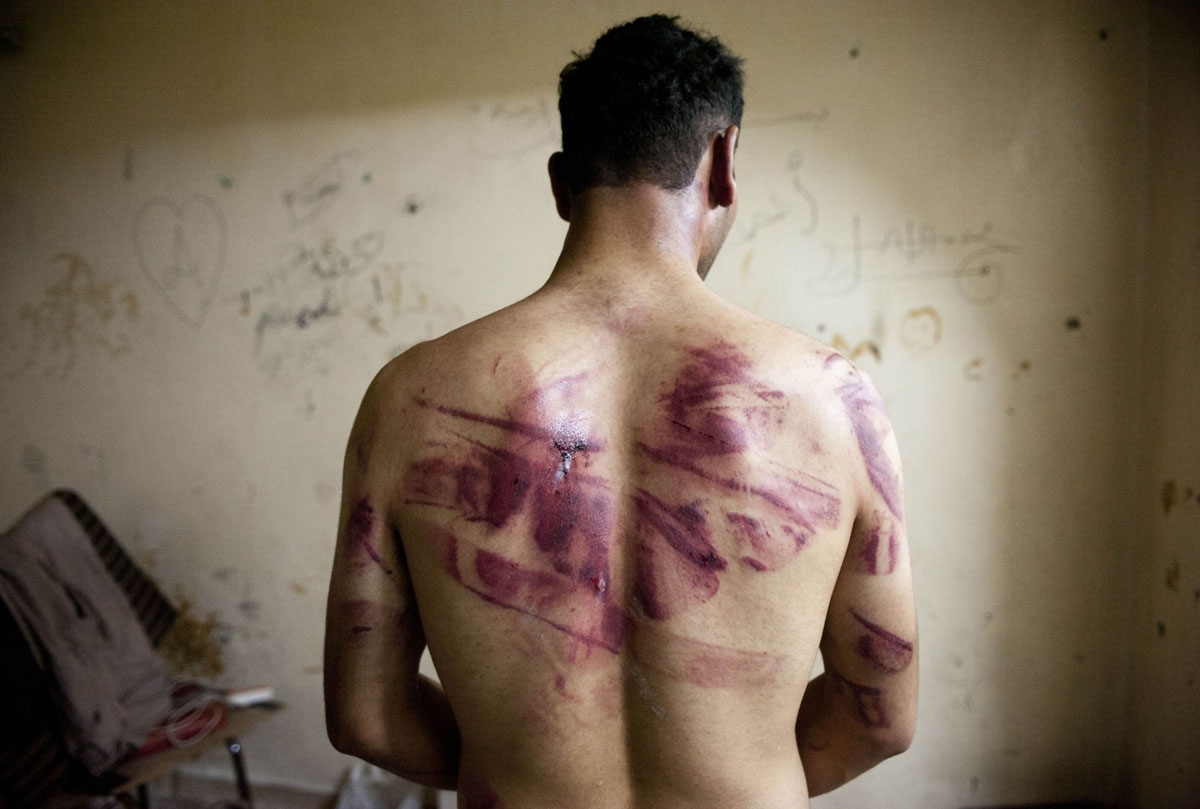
x=642, y=105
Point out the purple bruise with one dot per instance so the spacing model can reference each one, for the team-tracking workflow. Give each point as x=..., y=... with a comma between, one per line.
x=489, y=486
x=751, y=527
x=869, y=550
x=361, y=523
x=509, y=476
x=645, y=585
x=557, y=512
x=505, y=579
x=508, y=425
x=752, y=532
x=359, y=527
x=603, y=639
x=803, y=504
x=884, y=650
x=502, y=576
x=540, y=474
x=615, y=626
x=693, y=404
x=866, y=410
x=683, y=528
x=868, y=701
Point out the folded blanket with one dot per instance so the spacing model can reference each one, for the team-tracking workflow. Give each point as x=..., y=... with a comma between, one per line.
x=109, y=684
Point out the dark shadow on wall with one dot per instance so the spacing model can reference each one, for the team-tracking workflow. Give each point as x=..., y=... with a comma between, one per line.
x=76, y=76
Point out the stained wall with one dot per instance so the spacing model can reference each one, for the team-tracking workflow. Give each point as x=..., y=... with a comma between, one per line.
x=217, y=220
x=1163, y=754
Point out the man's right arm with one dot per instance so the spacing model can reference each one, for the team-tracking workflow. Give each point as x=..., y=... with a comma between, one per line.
x=862, y=710
x=378, y=705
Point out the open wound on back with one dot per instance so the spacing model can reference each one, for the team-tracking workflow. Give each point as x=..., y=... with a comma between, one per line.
x=529, y=471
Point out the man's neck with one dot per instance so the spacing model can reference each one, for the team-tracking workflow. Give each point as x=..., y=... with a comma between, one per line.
x=631, y=236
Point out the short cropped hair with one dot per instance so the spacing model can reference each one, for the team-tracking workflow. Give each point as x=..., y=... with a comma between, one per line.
x=642, y=105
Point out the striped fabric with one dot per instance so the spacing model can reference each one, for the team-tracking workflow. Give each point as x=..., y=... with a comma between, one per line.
x=31, y=774
x=38, y=766
x=153, y=610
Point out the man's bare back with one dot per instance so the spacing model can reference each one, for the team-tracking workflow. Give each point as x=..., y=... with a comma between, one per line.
x=624, y=515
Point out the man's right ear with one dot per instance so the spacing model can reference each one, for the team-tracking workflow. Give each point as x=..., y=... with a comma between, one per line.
x=722, y=183
x=559, y=185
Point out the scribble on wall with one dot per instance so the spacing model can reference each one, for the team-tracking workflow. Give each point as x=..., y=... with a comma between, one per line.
x=795, y=164
x=295, y=307
x=838, y=273
x=300, y=307
x=307, y=267
x=181, y=249
x=978, y=256
x=973, y=258
x=979, y=276
x=799, y=200
x=513, y=128
x=762, y=218
x=318, y=191
x=76, y=312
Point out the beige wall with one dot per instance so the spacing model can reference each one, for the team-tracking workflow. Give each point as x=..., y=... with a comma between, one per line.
x=952, y=191
x=1164, y=739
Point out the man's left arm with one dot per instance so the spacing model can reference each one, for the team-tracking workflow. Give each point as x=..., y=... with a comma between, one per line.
x=378, y=706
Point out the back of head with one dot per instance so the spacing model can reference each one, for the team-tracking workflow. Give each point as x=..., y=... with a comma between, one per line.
x=641, y=106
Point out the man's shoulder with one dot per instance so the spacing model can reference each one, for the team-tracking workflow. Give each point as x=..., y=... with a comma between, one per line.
x=451, y=360
x=467, y=354
x=436, y=355
x=787, y=352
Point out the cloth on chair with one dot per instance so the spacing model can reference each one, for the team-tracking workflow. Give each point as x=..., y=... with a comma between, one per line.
x=109, y=684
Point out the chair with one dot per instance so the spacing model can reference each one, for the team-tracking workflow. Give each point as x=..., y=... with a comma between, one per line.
x=34, y=762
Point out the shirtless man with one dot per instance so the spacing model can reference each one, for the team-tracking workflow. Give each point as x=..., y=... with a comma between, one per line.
x=623, y=513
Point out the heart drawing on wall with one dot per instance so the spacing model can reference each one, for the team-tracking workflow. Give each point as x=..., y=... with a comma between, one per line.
x=181, y=248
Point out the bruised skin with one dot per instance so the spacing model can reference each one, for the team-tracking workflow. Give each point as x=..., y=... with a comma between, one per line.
x=571, y=606
x=875, y=547
x=870, y=703
x=360, y=617
x=868, y=417
x=530, y=469
x=877, y=550
x=685, y=531
x=886, y=652
x=716, y=411
x=571, y=511
x=358, y=532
